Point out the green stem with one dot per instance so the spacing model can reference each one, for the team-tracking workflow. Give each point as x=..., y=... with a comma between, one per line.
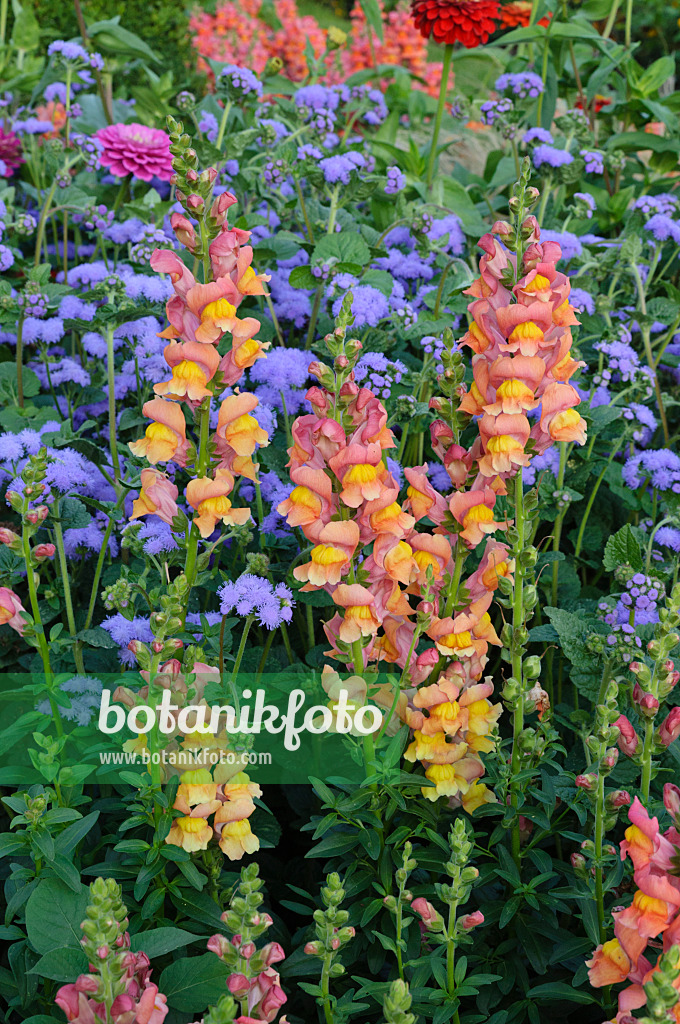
x=591, y=500
x=443, y=86
x=629, y=24
x=646, y=340
x=303, y=208
x=68, y=602
x=314, y=317
x=223, y=124
x=544, y=75
x=648, y=559
x=44, y=213
x=451, y=950
x=547, y=189
x=202, y=460
x=646, y=775
x=611, y=19
x=239, y=654
x=100, y=563
x=4, y=4
x=111, y=377
x=599, y=837
x=20, y=361
x=325, y=988
x=557, y=533
x=517, y=624
x=333, y=212
x=38, y=627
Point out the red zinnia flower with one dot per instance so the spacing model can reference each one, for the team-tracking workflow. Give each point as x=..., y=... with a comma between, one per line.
x=469, y=22
x=10, y=153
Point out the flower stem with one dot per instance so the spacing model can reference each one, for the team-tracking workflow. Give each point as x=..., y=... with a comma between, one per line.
x=44, y=213
x=443, y=86
x=591, y=500
x=20, y=361
x=223, y=124
x=517, y=624
x=111, y=376
x=68, y=602
x=611, y=19
x=599, y=836
x=202, y=460
x=629, y=24
x=314, y=317
x=39, y=629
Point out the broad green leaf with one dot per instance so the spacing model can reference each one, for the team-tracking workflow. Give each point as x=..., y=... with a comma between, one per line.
x=193, y=983
x=61, y=964
x=623, y=548
x=54, y=914
x=158, y=941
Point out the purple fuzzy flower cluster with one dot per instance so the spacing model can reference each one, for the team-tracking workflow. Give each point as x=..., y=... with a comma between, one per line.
x=123, y=631
x=272, y=605
x=74, y=52
x=661, y=467
x=664, y=203
x=594, y=161
x=645, y=420
x=239, y=83
x=339, y=168
x=396, y=181
x=524, y=84
x=550, y=155
x=375, y=371
x=637, y=605
x=493, y=110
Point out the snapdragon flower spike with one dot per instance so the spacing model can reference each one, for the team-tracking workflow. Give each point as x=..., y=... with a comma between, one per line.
x=201, y=316
x=652, y=921
x=521, y=340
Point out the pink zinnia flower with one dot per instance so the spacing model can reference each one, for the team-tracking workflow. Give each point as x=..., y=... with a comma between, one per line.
x=136, y=149
x=10, y=153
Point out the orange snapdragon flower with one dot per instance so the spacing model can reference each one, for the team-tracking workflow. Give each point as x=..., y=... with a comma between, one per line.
x=209, y=498
x=165, y=438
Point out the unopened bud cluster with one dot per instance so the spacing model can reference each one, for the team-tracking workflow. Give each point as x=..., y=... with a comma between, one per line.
x=330, y=925
x=105, y=939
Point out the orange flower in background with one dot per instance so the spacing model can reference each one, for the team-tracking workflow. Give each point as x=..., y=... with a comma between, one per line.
x=517, y=14
x=469, y=22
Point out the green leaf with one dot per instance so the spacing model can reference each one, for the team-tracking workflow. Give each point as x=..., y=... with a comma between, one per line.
x=26, y=30
x=159, y=941
x=302, y=277
x=53, y=915
x=96, y=637
x=9, y=384
x=509, y=911
x=110, y=37
x=193, y=983
x=67, y=841
x=11, y=842
x=66, y=871
x=655, y=75
x=61, y=964
x=373, y=16
x=623, y=548
x=556, y=991
x=73, y=515
x=344, y=247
